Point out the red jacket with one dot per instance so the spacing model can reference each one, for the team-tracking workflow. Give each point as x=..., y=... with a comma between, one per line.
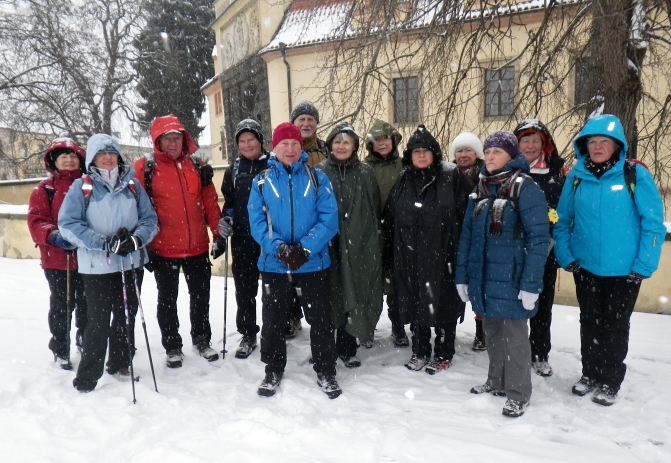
x=43, y=214
x=184, y=208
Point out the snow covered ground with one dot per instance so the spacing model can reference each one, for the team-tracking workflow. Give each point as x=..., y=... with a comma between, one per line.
x=207, y=412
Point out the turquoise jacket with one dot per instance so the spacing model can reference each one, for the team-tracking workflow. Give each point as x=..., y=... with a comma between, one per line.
x=601, y=226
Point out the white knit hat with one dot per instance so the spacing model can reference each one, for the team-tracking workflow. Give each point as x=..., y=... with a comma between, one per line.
x=467, y=140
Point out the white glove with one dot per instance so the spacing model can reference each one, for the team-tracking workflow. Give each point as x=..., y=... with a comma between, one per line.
x=463, y=292
x=528, y=299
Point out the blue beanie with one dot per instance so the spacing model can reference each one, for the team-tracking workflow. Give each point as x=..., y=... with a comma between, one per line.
x=507, y=141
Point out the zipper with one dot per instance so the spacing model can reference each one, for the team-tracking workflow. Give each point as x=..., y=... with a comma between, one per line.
x=181, y=187
x=291, y=202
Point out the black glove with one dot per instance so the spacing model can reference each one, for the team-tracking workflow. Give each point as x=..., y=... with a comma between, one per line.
x=635, y=278
x=292, y=256
x=225, y=226
x=57, y=240
x=124, y=243
x=219, y=246
x=206, y=174
x=573, y=267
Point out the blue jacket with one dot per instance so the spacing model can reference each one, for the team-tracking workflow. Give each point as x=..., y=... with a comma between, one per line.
x=600, y=225
x=497, y=268
x=109, y=209
x=295, y=215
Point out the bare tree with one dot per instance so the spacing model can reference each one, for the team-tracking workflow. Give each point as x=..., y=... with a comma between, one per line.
x=70, y=64
x=462, y=48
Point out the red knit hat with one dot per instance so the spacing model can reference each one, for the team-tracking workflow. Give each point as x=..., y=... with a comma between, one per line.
x=285, y=131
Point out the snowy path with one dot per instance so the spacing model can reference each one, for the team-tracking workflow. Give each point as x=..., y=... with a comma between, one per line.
x=211, y=412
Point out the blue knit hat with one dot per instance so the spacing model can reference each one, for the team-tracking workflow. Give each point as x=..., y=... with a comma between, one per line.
x=507, y=141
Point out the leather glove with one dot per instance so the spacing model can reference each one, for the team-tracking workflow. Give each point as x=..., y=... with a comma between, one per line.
x=463, y=292
x=206, y=174
x=57, y=240
x=292, y=256
x=219, y=246
x=226, y=227
x=635, y=278
x=573, y=267
x=528, y=299
x=124, y=243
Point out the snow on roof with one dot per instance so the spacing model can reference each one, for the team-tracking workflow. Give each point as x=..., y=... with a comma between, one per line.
x=306, y=24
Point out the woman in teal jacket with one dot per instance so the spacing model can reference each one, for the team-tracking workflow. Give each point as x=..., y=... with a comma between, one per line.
x=609, y=234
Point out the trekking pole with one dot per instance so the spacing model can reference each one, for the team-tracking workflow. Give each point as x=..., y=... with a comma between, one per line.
x=125, y=306
x=144, y=325
x=223, y=352
x=68, y=301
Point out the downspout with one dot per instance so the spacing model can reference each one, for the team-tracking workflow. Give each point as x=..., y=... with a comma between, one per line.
x=283, y=51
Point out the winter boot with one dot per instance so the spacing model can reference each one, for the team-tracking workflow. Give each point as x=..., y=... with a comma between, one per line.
x=416, y=363
x=123, y=374
x=62, y=362
x=174, y=358
x=204, y=350
x=367, y=344
x=329, y=384
x=437, y=364
x=247, y=345
x=291, y=330
x=479, y=340
x=399, y=336
x=604, y=395
x=269, y=384
x=84, y=385
x=514, y=408
x=487, y=389
x=541, y=367
x=584, y=386
x=351, y=362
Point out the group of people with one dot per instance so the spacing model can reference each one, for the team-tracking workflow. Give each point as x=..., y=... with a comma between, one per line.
x=330, y=232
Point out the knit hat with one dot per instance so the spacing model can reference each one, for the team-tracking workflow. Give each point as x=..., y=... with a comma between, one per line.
x=251, y=126
x=284, y=131
x=505, y=140
x=422, y=138
x=304, y=107
x=467, y=140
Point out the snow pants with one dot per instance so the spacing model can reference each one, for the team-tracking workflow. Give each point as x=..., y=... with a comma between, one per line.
x=313, y=290
x=59, y=316
x=606, y=305
x=443, y=344
x=509, y=357
x=104, y=296
x=539, y=332
x=197, y=271
x=245, y=252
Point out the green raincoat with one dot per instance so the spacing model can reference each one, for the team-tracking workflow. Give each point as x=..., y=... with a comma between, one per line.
x=356, y=251
x=386, y=170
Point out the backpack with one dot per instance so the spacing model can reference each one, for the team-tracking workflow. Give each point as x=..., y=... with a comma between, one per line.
x=513, y=198
x=87, y=189
x=150, y=166
x=629, y=177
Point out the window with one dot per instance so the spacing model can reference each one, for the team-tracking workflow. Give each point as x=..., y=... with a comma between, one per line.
x=499, y=91
x=583, y=88
x=218, y=104
x=406, y=98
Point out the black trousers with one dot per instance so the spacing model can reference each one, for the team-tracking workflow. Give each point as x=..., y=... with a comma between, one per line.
x=539, y=334
x=443, y=344
x=606, y=305
x=197, y=271
x=245, y=252
x=345, y=343
x=104, y=296
x=59, y=316
x=314, y=291
x=392, y=310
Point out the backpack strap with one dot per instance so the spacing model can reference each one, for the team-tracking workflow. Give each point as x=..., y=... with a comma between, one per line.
x=87, y=189
x=321, y=146
x=236, y=167
x=149, y=167
x=630, y=174
x=514, y=198
x=312, y=175
x=49, y=189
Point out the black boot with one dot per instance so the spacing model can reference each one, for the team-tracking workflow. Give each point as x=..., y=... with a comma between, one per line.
x=479, y=341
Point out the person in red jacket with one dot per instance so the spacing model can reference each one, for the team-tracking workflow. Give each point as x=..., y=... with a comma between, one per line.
x=185, y=200
x=64, y=160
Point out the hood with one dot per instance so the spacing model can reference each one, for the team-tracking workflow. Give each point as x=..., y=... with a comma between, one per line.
x=518, y=162
x=529, y=126
x=605, y=125
x=58, y=146
x=169, y=123
x=99, y=142
x=343, y=127
x=422, y=138
x=379, y=129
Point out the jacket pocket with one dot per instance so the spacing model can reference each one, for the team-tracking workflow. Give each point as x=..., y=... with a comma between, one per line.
x=192, y=181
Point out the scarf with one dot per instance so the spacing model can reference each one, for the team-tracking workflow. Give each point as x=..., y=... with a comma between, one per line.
x=601, y=168
x=540, y=165
x=506, y=180
x=108, y=176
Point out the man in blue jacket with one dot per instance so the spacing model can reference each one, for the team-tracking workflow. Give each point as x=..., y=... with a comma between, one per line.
x=293, y=215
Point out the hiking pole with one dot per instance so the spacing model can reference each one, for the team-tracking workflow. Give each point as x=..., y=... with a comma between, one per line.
x=144, y=325
x=68, y=302
x=125, y=306
x=223, y=352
